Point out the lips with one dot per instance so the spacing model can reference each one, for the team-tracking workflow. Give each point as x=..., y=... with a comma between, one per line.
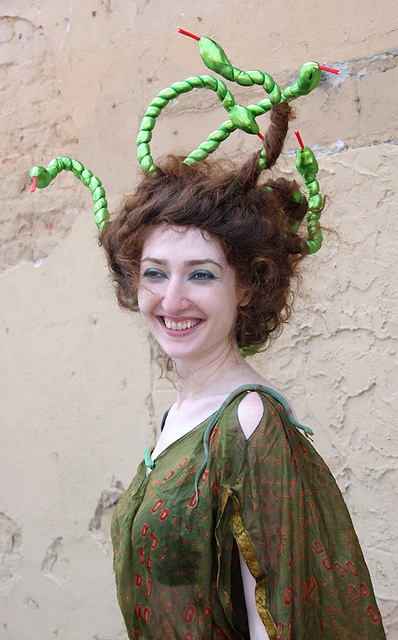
x=180, y=325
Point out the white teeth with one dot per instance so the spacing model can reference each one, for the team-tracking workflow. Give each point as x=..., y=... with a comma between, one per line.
x=180, y=326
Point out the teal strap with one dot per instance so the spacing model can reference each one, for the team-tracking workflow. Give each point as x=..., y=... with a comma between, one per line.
x=147, y=457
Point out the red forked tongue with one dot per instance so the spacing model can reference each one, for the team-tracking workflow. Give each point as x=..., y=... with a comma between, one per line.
x=329, y=69
x=298, y=136
x=188, y=33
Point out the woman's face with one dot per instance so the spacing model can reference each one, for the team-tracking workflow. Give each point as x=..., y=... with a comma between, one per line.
x=187, y=293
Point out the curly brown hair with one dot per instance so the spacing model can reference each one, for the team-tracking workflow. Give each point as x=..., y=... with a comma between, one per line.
x=248, y=218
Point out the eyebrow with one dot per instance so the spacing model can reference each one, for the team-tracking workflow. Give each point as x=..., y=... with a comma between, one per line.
x=187, y=263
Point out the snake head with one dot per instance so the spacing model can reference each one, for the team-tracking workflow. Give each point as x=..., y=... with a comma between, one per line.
x=306, y=163
x=215, y=58
x=243, y=119
x=43, y=177
x=309, y=77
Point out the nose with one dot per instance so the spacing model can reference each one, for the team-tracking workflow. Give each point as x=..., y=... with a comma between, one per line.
x=175, y=298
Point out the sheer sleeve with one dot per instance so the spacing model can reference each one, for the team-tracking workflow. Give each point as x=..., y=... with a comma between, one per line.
x=279, y=503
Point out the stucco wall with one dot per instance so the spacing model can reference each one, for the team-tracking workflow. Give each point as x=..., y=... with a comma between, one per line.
x=80, y=397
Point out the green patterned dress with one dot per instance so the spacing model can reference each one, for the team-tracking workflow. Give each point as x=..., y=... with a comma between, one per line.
x=272, y=497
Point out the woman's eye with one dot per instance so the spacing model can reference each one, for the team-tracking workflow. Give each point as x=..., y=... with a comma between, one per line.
x=202, y=276
x=153, y=274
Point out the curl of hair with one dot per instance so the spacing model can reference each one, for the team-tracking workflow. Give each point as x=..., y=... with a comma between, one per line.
x=247, y=216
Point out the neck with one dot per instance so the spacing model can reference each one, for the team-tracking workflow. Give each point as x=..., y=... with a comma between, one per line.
x=212, y=375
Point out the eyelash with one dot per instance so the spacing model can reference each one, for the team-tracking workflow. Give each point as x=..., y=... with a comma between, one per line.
x=208, y=276
x=155, y=274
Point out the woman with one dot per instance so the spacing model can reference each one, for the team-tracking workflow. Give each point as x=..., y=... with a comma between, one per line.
x=233, y=527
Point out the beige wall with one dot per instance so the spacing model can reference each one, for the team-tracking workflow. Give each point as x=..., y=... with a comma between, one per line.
x=79, y=393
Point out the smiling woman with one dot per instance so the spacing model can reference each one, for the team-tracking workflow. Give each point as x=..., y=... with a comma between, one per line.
x=233, y=526
x=189, y=309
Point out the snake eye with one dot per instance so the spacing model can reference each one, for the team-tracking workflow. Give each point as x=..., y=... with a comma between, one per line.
x=310, y=76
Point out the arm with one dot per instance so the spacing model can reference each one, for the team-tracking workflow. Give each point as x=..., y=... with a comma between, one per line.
x=256, y=628
x=250, y=411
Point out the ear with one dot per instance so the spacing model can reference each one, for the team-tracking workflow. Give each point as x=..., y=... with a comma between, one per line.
x=245, y=298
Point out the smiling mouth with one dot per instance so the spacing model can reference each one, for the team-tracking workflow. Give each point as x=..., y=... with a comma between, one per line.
x=180, y=326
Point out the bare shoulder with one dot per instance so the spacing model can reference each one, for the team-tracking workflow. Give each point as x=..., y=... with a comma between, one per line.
x=250, y=412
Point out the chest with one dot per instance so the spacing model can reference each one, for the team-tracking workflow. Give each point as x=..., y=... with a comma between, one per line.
x=171, y=531
x=177, y=423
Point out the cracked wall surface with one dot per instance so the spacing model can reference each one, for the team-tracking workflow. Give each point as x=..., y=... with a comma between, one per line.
x=80, y=397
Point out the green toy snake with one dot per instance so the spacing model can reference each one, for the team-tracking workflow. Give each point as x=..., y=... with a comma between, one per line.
x=240, y=117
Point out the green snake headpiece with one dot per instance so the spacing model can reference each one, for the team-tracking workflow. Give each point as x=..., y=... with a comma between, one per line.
x=240, y=117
